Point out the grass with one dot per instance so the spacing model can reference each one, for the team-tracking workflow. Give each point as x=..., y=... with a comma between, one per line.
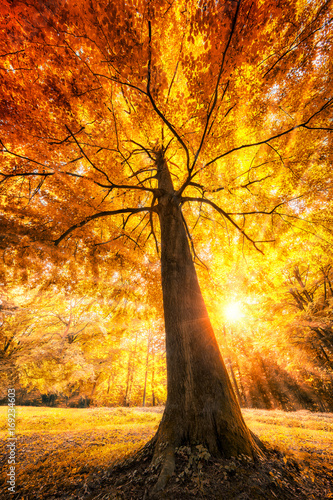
x=44, y=419
x=76, y=444
x=73, y=443
x=300, y=434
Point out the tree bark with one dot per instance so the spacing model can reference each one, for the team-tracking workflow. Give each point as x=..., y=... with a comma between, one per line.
x=201, y=406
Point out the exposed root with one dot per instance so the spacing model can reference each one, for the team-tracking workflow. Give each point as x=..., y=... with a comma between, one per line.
x=168, y=468
x=156, y=461
x=260, y=449
x=160, y=469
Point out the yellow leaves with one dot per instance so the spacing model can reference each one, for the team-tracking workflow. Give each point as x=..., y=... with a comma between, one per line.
x=238, y=87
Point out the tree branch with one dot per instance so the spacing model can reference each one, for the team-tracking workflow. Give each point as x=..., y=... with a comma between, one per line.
x=265, y=141
x=98, y=215
x=263, y=212
x=254, y=182
x=224, y=214
x=160, y=114
x=73, y=174
x=116, y=80
x=20, y=156
x=27, y=174
x=210, y=111
x=86, y=157
x=295, y=45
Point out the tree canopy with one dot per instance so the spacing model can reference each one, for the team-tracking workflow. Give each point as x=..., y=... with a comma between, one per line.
x=237, y=93
x=140, y=131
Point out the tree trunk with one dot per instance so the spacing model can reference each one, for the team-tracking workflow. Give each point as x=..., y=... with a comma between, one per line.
x=242, y=390
x=233, y=376
x=153, y=375
x=146, y=372
x=125, y=403
x=130, y=373
x=230, y=366
x=201, y=406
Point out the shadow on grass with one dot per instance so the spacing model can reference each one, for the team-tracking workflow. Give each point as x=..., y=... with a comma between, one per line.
x=69, y=454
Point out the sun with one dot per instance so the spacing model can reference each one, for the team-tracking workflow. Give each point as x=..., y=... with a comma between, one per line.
x=233, y=311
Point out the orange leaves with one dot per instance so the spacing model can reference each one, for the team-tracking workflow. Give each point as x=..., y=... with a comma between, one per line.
x=223, y=76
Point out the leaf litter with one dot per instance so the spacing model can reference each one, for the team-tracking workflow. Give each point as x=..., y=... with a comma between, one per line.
x=83, y=462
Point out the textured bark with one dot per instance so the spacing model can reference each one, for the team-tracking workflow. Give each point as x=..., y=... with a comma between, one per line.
x=201, y=405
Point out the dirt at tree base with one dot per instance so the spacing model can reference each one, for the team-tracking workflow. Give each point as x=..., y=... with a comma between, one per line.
x=78, y=465
x=198, y=475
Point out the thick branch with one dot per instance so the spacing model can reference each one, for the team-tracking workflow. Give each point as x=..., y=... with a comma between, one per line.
x=98, y=215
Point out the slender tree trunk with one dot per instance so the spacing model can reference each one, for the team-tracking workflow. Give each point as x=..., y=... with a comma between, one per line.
x=233, y=377
x=230, y=366
x=242, y=390
x=93, y=390
x=201, y=405
x=94, y=386
x=153, y=374
x=127, y=379
x=146, y=371
x=130, y=372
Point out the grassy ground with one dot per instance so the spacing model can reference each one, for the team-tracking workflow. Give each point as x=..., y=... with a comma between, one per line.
x=64, y=453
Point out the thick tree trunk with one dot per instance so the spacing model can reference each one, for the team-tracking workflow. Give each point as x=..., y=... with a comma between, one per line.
x=201, y=406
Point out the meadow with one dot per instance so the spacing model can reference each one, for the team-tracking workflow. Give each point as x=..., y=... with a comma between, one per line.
x=68, y=452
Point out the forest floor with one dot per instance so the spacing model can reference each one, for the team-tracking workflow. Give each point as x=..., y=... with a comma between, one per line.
x=64, y=453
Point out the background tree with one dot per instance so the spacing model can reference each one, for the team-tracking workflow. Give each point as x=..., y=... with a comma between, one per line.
x=116, y=115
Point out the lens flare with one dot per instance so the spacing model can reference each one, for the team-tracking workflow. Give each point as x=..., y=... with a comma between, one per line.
x=233, y=311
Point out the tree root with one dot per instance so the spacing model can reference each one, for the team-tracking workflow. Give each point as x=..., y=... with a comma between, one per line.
x=168, y=468
x=157, y=462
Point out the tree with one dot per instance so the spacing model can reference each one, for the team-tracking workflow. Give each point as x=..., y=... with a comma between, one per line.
x=119, y=114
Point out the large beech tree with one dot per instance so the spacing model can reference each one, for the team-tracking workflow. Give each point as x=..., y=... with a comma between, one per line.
x=175, y=124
